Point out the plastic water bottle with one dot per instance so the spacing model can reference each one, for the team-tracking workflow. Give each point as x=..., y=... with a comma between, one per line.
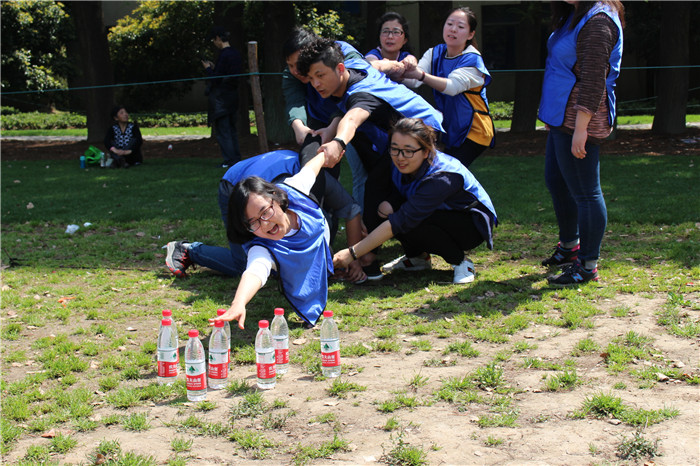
x=195, y=368
x=280, y=337
x=330, y=346
x=227, y=330
x=218, y=357
x=168, y=314
x=167, y=353
x=265, y=357
x=82, y=161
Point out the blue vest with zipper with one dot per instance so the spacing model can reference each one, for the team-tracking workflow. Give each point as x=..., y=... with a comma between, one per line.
x=402, y=99
x=559, y=77
x=482, y=207
x=303, y=259
x=457, y=110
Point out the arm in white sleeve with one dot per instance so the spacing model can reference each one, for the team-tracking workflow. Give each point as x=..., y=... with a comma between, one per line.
x=260, y=263
x=302, y=181
x=423, y=65
x=463, y=79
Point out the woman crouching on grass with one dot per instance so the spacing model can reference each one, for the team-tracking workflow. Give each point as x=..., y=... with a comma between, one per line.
x=436, y=207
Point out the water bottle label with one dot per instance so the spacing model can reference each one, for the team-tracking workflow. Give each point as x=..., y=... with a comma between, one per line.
x=167, y=363
x=281, y=350
x=218, y=365
x=266, y=364
x=330, y=353
x=195, y=377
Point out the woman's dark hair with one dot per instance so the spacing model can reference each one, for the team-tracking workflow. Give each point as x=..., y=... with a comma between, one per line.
x=394, y=16
x=471, y=20
x=418, y=130
x=115, y=110
x=562, y=10
x=321, y=50
x=299, y=39
x=237, y=228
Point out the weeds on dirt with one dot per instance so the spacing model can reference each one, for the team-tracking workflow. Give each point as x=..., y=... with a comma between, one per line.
x=403, y=454
x=638, y=447
x=306, y=453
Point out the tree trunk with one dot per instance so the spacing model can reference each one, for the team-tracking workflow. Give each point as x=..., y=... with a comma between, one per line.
x=432, y=20
x=278, y=26
x=374, y=11
x=672, y=83
x=528, y=84
x=90, y=52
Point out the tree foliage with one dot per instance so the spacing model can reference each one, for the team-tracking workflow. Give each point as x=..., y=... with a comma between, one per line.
x=159, y=41
x=34, y=37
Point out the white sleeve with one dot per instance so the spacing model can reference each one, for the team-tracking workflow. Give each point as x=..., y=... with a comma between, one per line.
x=302, y=181
x=463, y=79
x=423, y=64
x=260, y=263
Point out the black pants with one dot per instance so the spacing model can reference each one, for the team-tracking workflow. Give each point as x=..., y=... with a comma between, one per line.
x=446, y=233
x=467, y=152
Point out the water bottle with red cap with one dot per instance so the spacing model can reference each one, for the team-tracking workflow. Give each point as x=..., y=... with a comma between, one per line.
x=218, y=357
x=265, y=357
x=330, y=346
x=227, y=331
x=280, y=337
x=167, y=353
x=195, y=368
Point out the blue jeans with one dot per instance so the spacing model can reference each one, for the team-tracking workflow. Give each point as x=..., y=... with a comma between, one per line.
x=359, y=174
x=576, y=195
x=230, y=261
x=226, y=136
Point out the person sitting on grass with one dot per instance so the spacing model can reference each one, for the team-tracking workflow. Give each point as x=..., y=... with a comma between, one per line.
x=436, y=207
x=123, y=140
x=274, y=224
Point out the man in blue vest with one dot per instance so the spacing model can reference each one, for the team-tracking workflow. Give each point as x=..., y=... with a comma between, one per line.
x=372, y=104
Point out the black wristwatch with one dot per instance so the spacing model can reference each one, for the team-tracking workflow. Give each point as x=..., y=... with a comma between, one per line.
x=340, y=141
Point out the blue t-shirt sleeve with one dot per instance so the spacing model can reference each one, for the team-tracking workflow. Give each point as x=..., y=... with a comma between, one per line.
x=375, y=53
x=432, y=193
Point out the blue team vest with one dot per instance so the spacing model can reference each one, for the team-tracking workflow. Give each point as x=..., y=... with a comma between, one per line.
x=446, y=163
x=405, y=101
x=378, y=53
x=559, y=77
x=319, y=108
x=303, y=259
x=457, y=110
x=267, y=166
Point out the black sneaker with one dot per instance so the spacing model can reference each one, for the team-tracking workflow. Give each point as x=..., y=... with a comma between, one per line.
x=177, y=258
x=574, y=275
x=562, y=257
x=373, y=271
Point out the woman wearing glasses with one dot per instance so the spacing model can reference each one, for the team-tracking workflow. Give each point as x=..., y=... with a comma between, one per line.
x=458, y=76
x=436, y=207
x=393, y=56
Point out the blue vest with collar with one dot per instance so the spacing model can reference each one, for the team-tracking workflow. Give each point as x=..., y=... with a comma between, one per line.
x=402, y=99
x=303, y=259
x=457, y=110
x=482, y=208
x=559, y=77
x=319, y=108
x=267, y=166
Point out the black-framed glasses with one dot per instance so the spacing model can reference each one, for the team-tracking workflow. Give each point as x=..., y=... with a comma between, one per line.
x=266, y=214
x=392, y=32
x=407, y=153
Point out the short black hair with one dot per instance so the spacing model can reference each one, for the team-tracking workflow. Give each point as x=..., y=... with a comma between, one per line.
x=237, y=228
x=394, y=16
x=220, y=32
x=115, y=110
x=321, y=50
x=298, y=39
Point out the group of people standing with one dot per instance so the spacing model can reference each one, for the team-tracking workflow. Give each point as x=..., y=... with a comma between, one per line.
x=409, y=160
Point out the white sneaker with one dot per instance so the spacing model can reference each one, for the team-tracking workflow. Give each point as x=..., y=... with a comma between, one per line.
x=410, y=264
x=464, y=272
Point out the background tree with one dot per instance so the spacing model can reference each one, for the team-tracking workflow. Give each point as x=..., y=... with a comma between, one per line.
x=34, y=36
x=160, y=41
x=91, y=57
x=672, y=85
x=528, y=85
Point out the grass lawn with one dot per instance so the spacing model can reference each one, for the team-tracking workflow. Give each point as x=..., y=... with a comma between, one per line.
x=67, y=301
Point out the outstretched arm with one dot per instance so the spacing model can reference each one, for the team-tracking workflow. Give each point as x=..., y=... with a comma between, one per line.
x=346, y=131
x=247, y=288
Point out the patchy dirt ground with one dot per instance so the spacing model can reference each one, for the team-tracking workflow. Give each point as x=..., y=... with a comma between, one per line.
x=545, y=434
x=627, y=142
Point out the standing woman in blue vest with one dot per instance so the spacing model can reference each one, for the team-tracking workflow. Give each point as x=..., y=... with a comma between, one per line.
x=578, y=106
x=458, y=76
x=436, y=207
